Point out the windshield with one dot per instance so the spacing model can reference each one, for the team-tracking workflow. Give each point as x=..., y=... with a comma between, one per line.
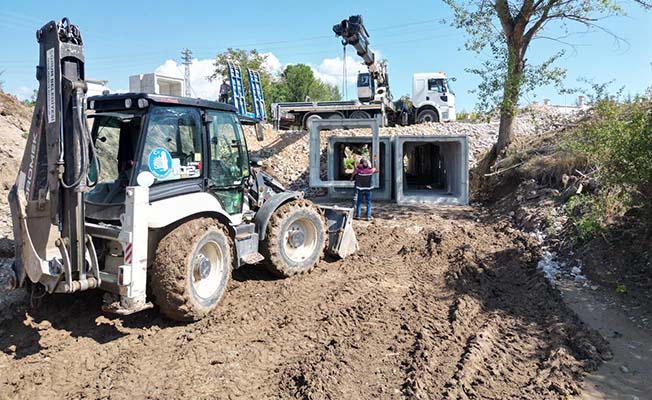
x=173, y=144
x=115, y=136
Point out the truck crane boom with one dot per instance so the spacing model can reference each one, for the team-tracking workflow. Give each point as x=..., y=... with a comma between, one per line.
x=375, y=85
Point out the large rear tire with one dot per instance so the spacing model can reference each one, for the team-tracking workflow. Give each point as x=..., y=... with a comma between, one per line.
x=191, y=270
x=360, y=114
x=296, y=238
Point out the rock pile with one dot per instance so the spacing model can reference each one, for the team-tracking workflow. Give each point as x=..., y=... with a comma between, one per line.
x=286, y=153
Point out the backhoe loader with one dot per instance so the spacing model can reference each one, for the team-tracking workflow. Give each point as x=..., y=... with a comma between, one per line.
x=159, y=198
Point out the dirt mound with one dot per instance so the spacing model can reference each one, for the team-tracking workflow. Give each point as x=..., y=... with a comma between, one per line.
x=437, y=304
x=14, y=123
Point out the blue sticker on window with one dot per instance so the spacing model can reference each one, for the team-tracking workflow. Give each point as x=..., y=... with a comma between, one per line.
x=160, y=163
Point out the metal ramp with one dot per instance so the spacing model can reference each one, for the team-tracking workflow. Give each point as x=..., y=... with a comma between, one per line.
x=237, y=89
x=238, y=92
x=257, y=97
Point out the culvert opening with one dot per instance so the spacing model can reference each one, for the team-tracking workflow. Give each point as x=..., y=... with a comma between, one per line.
x=430, y=168
x=348, y=154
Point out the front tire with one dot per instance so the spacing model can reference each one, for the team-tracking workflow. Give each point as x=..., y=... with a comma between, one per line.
x=191, y=270
x=296, y=238
x=428, y=116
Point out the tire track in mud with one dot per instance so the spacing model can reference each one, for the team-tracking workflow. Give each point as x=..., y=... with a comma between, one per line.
x=430, y=308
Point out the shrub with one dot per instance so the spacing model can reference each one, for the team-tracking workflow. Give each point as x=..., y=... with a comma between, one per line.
x=618, y=142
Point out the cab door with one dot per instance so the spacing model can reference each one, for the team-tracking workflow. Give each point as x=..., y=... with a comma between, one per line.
x=439, y=93
x=228, y=161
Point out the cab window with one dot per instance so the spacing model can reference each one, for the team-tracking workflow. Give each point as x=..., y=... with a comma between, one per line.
x=115, y=136
x=229, y=163
x=436, y=85
x=173, y=144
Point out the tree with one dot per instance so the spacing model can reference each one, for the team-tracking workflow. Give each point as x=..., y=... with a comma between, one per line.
x=295, y=83
x=508, y=28
x=246, y=59
x=298, y=83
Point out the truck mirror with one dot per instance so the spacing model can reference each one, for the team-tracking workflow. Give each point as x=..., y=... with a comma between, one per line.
x=260, y=132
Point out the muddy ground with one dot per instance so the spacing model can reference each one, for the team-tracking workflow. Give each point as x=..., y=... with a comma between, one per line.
x=438, y=304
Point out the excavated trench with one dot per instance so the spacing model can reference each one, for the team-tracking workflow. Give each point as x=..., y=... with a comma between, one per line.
x=438, y=304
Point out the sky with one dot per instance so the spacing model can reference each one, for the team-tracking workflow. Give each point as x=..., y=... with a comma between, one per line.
x=124, y=38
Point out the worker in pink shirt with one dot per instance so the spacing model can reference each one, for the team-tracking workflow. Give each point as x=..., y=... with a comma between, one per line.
x=363, y=174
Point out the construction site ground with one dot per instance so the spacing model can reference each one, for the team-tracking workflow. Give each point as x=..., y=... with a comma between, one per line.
x=439, y=303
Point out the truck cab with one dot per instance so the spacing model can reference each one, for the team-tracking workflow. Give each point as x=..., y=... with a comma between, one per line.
x=432, y=97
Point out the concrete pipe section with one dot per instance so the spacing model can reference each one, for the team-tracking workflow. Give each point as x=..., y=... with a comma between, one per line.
x=431, y=170
x=341, y=151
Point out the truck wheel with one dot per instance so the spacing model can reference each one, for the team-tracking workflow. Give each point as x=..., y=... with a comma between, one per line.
x=307, y=124
x=296, y=238
x=359, y=114
x=191, y=269
x=428, y=116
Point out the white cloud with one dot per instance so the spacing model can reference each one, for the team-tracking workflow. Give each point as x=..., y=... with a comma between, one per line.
x=199, y=71
x=23, y=93
x=273, y=64
x=329, y=71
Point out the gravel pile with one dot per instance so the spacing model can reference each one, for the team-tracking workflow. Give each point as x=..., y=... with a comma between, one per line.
x=286, y=153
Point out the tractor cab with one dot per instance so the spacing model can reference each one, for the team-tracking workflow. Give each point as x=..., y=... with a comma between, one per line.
x=173, y=145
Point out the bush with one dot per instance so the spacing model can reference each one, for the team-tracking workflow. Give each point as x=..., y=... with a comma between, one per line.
x=618, y=142
x=586, y=215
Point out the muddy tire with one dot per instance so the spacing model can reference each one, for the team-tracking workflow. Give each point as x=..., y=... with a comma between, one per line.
x=191, y=269
x=428, y=116
x=296, y=238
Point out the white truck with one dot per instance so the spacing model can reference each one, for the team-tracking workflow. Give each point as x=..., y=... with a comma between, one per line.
x=432, y=98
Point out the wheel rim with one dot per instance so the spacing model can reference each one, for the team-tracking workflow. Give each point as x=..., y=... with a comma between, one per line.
x=428, y=117
x=207, y=270
x=300, y=240
x=335, y=116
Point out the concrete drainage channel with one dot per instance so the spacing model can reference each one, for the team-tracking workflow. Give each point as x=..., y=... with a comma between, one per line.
x=428, y=170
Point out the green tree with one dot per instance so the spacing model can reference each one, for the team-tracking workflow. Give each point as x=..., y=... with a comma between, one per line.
x=507, y=28
x=246, y=59
x=298, y=83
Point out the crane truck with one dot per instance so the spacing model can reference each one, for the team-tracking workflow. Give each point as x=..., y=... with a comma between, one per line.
x=432, y=98
x=159, y=198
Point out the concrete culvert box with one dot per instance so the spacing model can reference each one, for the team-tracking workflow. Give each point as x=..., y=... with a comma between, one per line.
x=431, y=170
x=341, y=152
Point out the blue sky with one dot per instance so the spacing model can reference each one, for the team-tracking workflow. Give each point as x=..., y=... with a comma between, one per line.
x=126, y=38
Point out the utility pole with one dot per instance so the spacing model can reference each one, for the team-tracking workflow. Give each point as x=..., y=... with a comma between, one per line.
x=186, y=57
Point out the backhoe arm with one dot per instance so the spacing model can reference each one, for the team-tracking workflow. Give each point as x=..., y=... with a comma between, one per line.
x=47, y=201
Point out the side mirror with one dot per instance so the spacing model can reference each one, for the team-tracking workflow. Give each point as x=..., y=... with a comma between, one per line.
x=260, y=132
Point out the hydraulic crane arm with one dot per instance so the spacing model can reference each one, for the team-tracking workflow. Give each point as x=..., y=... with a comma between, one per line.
x=47, y=201
x=354, y=33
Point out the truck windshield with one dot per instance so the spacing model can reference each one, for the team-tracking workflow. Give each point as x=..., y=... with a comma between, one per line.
x=115, y=136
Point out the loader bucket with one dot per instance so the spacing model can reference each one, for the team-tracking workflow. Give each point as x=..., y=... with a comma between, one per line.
x=342, y=241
